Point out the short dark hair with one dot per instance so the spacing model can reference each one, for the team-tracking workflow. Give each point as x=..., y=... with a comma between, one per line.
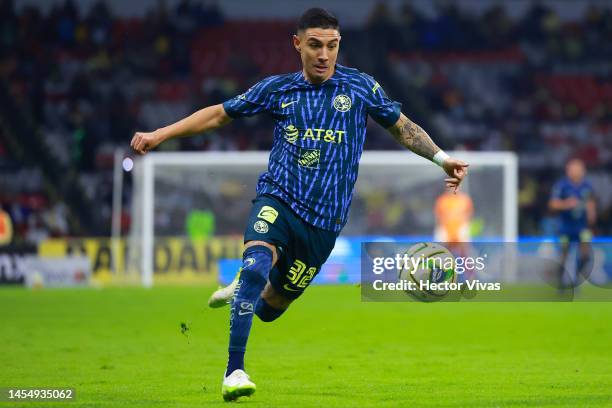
x=317, y=18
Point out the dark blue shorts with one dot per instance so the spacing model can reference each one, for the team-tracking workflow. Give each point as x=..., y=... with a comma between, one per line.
x=302, y=248
x=575, y=235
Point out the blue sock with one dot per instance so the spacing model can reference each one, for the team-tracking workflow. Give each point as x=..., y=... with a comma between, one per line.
x=266, y=312
x=256, y=265
x=235, y=362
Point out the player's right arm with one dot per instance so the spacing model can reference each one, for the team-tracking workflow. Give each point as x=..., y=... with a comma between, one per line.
x=204, y=120
x=558, y=203
x=255, y=100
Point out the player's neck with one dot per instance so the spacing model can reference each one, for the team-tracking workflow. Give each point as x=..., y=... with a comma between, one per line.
x=315, y=81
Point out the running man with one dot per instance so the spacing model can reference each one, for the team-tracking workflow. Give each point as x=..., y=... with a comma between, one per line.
x=303, y=198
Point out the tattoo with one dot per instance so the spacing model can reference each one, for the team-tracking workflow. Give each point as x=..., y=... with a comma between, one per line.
x=413, y=137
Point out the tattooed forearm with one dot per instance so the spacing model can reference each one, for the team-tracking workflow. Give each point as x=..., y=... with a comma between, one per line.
x=413, y=137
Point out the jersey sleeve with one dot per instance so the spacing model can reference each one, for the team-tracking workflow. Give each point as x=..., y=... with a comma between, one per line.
x=378, y=105
x=557, y=191
x=257, y=99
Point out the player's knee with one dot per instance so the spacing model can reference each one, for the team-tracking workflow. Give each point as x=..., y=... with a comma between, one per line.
x=271, y=247
x=256, y=264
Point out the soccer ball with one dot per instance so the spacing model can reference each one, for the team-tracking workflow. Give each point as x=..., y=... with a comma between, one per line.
x=431, y=268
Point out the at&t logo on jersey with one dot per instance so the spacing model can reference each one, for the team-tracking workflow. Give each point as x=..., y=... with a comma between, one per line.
x=292, y=134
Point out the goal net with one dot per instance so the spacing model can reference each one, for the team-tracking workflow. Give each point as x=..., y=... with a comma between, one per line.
x=189, y=208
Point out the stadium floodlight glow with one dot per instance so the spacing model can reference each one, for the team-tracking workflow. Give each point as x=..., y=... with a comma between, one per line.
x=169, y=185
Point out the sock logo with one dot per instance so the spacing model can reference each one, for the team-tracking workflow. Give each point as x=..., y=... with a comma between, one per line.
x=249, y=261
x=245, y=308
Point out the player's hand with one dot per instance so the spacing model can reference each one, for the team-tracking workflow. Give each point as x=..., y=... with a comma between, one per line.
x=456, y=170
x=571, y=203
x=142, y=142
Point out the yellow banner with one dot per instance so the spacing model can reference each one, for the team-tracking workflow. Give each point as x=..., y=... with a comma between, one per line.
x=175, y=260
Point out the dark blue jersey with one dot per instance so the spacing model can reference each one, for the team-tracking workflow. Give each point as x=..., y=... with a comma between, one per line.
x=319, y=134
x=576, y=218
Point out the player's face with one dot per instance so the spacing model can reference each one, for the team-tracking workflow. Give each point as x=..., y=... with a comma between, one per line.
x=575, y=171
x=318, y=48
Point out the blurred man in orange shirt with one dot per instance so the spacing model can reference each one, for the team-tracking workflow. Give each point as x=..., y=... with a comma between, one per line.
x=453, y=215
x=6, y=228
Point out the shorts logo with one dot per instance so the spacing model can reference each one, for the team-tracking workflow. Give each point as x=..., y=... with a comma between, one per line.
x=309, y=158
x=290, y=289
x=342, y=103
x=268, y=213
x=291, y=133
x=261, y=227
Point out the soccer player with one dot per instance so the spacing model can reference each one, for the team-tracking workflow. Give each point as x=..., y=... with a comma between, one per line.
x=573, y=199
x=303, y=198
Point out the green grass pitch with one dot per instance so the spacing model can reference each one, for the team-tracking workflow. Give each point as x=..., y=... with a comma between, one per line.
x=123, y=347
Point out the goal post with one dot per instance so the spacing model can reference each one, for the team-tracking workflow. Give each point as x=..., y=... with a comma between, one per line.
x=175, y=193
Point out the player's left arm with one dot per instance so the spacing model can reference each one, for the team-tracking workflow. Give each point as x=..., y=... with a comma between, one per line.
x=413, y=137
x=591, y=209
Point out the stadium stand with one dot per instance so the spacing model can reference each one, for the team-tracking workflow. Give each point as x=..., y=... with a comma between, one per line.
x=75, y=86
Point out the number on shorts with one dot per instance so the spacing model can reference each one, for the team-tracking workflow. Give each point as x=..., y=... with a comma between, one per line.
x=300, y=275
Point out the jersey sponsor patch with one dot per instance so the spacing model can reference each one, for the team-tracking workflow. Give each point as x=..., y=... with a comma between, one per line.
x=261, y=227
x=268, y=213
x=327, y=135
x=310, y=158
x=291, y=133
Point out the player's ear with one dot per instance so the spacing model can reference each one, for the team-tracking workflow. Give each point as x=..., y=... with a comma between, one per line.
x=296, y=43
